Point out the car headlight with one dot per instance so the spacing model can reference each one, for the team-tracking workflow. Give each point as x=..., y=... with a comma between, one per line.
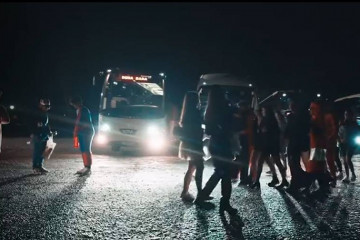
x=357, y=140
x=105, y=127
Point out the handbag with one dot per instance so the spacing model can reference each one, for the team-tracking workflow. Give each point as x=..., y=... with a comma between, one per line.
x=318, y=154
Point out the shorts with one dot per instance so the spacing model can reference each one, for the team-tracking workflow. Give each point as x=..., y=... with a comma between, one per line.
x=346, y=150
x=190, y=152
x=85, y=142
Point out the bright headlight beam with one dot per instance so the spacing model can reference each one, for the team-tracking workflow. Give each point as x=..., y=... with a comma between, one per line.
x=357, y=140
x=105, y=127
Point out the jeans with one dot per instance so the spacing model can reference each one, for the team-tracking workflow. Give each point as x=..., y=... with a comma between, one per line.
x=38, y=151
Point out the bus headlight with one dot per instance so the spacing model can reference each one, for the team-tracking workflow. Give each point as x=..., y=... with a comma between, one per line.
x=101, y=139
x=105, y=127
x=153, y=130
x=155, y=138
x=357, y=140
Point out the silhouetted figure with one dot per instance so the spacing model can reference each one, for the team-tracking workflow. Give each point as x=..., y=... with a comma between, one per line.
x=4, y=117
x=348, y=132
x=297, y=135
x=217, y=118
x=271, y=147
x=190, y=148
x=40, y=132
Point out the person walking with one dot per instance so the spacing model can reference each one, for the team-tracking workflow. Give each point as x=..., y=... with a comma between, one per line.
x=4, y=117
x=217, y=118
x=190, y=148
x=298, y=145
x=318, y=143
x=348, y=130
x=83, y=133
x=40, y=133
x=271, y=135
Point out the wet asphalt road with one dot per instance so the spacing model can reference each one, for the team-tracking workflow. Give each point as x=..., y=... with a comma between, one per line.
x=137, y=197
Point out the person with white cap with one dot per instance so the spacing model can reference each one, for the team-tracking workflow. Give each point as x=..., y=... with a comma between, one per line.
x=4, y=117
x=83, y=133
x=40, y=132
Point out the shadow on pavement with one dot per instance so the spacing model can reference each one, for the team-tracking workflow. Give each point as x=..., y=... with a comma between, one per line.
x=233, y=227
x=17, y=179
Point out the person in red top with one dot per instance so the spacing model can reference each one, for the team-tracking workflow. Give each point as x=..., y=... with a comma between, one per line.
x=84, y=133
x=317, y=167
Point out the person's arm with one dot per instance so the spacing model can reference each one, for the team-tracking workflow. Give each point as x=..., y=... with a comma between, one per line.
x=4, y=116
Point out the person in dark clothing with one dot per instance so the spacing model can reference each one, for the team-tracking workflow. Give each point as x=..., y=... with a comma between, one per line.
x=4, y=117
x=348, y=131
x=242, y=125
x=84, y=132
x=190, y=148
x=217, y=118
x=40, y=132
x=271, y=147
x=297, y=135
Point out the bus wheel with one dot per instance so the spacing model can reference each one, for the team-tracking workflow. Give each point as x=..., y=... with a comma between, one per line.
x=116, y=147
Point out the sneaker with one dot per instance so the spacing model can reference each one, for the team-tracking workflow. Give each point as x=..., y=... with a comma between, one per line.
x=353, y=178
x=273, y=182
x=255, y=185
x=187, y=197
x=333, y=183
x=340, y=175
x=83, y=171
x=44, y=170
x=346, y=180
x=228, y=208
x=208, y=198
x=283, y=184
x=37, y=170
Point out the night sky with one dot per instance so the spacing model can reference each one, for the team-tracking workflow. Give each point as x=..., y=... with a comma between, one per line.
x=54, y=49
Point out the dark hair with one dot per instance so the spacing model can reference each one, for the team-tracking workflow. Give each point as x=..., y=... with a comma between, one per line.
x=189, y=111
x=216, y=105
x=76, y=100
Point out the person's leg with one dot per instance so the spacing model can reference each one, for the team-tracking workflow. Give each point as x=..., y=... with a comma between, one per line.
x=295, y=169
x=187, y=178
x=350, y=163
x=270, y=163
x=282, y=170
x=210, y=185
x=244, y=160
x=199, y=174
x=226, y=189
x=330, y=159
x=337, y=160
x=261, y=159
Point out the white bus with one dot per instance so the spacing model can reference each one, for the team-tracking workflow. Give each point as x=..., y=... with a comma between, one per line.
x=131, y=112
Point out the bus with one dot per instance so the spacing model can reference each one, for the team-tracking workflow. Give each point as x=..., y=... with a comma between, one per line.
x=131, y=111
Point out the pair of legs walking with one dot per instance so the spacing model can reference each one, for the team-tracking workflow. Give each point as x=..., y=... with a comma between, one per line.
x=38, y=156
x=196, y=166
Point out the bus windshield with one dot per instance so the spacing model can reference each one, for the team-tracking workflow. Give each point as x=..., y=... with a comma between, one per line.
x=119, y=91
x=134, y=111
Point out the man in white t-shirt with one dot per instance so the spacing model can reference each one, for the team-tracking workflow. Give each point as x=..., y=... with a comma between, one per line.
x=4, y=117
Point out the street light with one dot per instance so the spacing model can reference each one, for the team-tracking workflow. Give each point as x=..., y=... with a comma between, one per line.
x=284, y=94
x=318, y=95
x=12, y=107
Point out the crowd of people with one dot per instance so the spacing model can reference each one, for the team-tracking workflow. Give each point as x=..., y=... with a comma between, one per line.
x=310, y=140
